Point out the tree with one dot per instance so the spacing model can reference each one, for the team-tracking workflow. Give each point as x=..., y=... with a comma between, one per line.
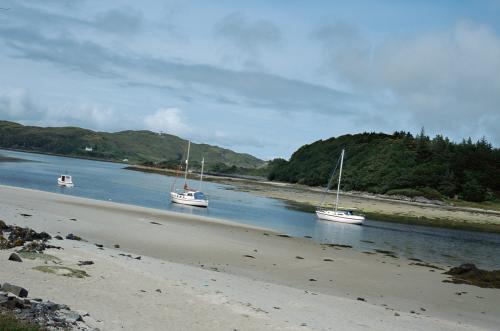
x=473, y=190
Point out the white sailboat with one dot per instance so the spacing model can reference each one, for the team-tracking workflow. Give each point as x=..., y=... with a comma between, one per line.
x=336, y=215
x=189, y=196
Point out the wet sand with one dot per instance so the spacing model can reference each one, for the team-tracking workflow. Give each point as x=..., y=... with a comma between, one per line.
x=216, y=274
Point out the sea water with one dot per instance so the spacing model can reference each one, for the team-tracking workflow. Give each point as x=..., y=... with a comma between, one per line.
x=111, y=182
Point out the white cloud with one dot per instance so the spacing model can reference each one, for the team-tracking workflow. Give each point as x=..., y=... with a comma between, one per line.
x=17, y=105
x=14, y=103
x=447, y=81
x=85, y=115
x=231, y=139
x=168, y=120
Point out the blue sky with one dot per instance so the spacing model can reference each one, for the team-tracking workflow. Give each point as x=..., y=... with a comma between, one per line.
x=262, y=77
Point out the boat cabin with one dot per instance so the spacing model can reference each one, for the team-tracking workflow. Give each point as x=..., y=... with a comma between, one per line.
x=65, y=178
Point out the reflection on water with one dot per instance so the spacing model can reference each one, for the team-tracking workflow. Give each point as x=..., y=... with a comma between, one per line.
x=333, y=232
x=108, y=181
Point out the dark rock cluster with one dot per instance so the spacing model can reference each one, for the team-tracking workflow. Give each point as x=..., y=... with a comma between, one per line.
x=13, y=298
x=47, y=314
x=18, y=236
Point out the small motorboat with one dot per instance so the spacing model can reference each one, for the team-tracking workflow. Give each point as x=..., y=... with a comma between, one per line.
x=65, y=180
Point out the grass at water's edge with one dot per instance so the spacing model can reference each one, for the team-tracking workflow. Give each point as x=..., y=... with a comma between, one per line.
x=9, y=322
x=411, y=220
x=491, y=205
x=434, y=222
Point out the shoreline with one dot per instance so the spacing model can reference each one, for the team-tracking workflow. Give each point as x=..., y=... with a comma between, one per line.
x=388, y=209
x=377, y=208
x=433, y=215
x=59, y=155
x=214, y=274
x=134, y=209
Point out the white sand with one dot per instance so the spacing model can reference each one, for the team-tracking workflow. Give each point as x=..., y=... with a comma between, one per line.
x=179, y=258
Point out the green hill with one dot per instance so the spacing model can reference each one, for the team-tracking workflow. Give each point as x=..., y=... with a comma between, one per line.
x=398, y=164
x=136, y=146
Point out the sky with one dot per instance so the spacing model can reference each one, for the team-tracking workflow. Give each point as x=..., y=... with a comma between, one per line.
x=260, y=77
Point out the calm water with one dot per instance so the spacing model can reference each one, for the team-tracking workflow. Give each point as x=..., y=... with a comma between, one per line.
x=108, y=181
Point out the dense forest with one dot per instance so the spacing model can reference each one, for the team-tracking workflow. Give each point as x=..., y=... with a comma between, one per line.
x=398, y=164
x=135, y=146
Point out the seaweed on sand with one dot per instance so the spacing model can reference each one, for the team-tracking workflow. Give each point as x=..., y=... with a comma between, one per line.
x=387, y=253
x=469, y=274
x=62, y=271
x=337, y=245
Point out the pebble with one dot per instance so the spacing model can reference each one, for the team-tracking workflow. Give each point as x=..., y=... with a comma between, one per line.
x=15, y=257
x=72, y=237
x=80, y=263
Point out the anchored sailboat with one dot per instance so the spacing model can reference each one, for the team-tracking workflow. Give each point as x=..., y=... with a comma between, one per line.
x=336, y=215
x=189, y=196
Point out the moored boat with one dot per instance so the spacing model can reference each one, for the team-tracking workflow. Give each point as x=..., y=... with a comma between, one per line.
x=344, y=216
x=65, y=180
x=336, y=215
x=189, y=196
x=192, y=198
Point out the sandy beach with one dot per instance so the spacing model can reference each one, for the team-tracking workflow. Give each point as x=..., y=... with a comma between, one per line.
x=198, y=273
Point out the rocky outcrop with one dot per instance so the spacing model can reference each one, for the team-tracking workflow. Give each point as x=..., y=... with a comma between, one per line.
x=18, y=236
x=49, y=315
x=14, y=298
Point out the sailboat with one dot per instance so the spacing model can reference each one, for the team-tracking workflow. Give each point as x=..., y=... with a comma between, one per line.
x=189, y=196
x=336, y=215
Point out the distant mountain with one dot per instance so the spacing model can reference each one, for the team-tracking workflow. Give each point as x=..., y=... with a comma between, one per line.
x=135, y=146
x=398, y=164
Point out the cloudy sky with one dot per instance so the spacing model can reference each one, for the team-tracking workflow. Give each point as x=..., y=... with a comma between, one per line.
x=262, y=77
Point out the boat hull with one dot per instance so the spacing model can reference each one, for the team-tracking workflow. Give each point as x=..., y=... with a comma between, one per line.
x=180, y=199
x=67, y=184
x=339, y=217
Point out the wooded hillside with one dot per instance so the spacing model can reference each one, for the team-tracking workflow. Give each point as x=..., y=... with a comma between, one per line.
x=398, y=164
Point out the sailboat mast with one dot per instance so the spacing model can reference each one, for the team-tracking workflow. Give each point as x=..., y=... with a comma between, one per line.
x=201, y=177
x=340, y=177
x=187, y=162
